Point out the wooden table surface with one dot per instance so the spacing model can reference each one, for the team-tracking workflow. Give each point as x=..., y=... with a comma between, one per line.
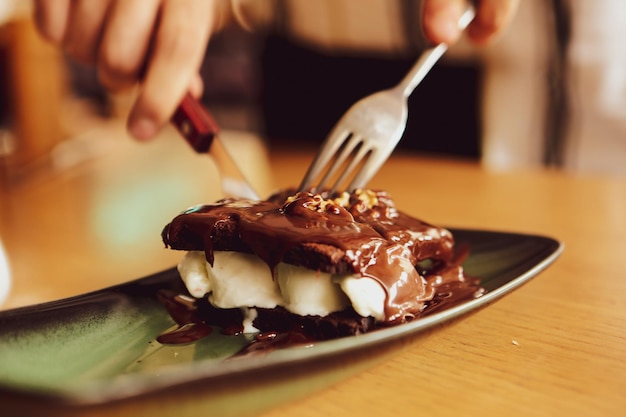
x=554, y=347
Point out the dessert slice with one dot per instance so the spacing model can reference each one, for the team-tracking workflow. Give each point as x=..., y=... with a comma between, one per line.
x=329, y=266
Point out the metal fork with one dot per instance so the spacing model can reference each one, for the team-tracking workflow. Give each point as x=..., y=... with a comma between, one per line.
x=370, y=130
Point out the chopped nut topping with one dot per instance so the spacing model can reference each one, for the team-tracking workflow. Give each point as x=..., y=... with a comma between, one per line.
x=368, y=197
x=343, y=200
x=359, y=201
x=316, y=203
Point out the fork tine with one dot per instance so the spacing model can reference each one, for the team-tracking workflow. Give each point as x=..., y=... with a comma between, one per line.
x=349, y=144
x=368, y=169
x=327, y=151
x=362, y=154
x=376, y=157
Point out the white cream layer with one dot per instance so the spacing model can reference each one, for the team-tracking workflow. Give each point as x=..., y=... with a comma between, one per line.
x=240, y=280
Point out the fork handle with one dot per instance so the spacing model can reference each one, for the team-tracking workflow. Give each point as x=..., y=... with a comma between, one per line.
x=424, y=64
x=428, y=59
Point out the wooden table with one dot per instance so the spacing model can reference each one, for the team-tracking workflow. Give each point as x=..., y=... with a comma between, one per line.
x=555, y=347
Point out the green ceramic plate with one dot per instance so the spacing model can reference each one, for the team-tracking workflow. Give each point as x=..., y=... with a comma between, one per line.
x=98, y=352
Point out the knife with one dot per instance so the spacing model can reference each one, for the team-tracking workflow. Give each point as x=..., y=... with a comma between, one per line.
x=199, y=129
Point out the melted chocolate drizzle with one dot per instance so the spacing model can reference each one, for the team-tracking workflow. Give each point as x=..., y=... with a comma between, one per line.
x=183, y=310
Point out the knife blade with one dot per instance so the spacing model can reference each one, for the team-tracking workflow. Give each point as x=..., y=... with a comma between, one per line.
x=200, y=130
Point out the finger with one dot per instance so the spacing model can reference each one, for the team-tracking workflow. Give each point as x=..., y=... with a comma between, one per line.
x=84, y=29
x=492, y=17
x=125, y=43
x=51, y=18
x=440, y=20
x=177, y=53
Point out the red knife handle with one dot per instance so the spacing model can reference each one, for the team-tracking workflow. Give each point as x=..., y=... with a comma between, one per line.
x=195, y=123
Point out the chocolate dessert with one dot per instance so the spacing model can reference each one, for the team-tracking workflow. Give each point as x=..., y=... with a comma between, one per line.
x=328, y=266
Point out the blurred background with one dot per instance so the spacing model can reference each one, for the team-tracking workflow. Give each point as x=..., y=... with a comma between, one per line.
x=550, y=92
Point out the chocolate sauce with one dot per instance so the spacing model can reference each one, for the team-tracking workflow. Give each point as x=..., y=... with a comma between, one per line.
x=264, y=343
x=451, y=287
x=183, y=310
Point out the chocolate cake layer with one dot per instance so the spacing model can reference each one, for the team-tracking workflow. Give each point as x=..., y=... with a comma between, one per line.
x=305, y=233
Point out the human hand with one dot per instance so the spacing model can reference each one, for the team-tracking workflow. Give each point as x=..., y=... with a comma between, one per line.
x=440, y=19
x=156, y=43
